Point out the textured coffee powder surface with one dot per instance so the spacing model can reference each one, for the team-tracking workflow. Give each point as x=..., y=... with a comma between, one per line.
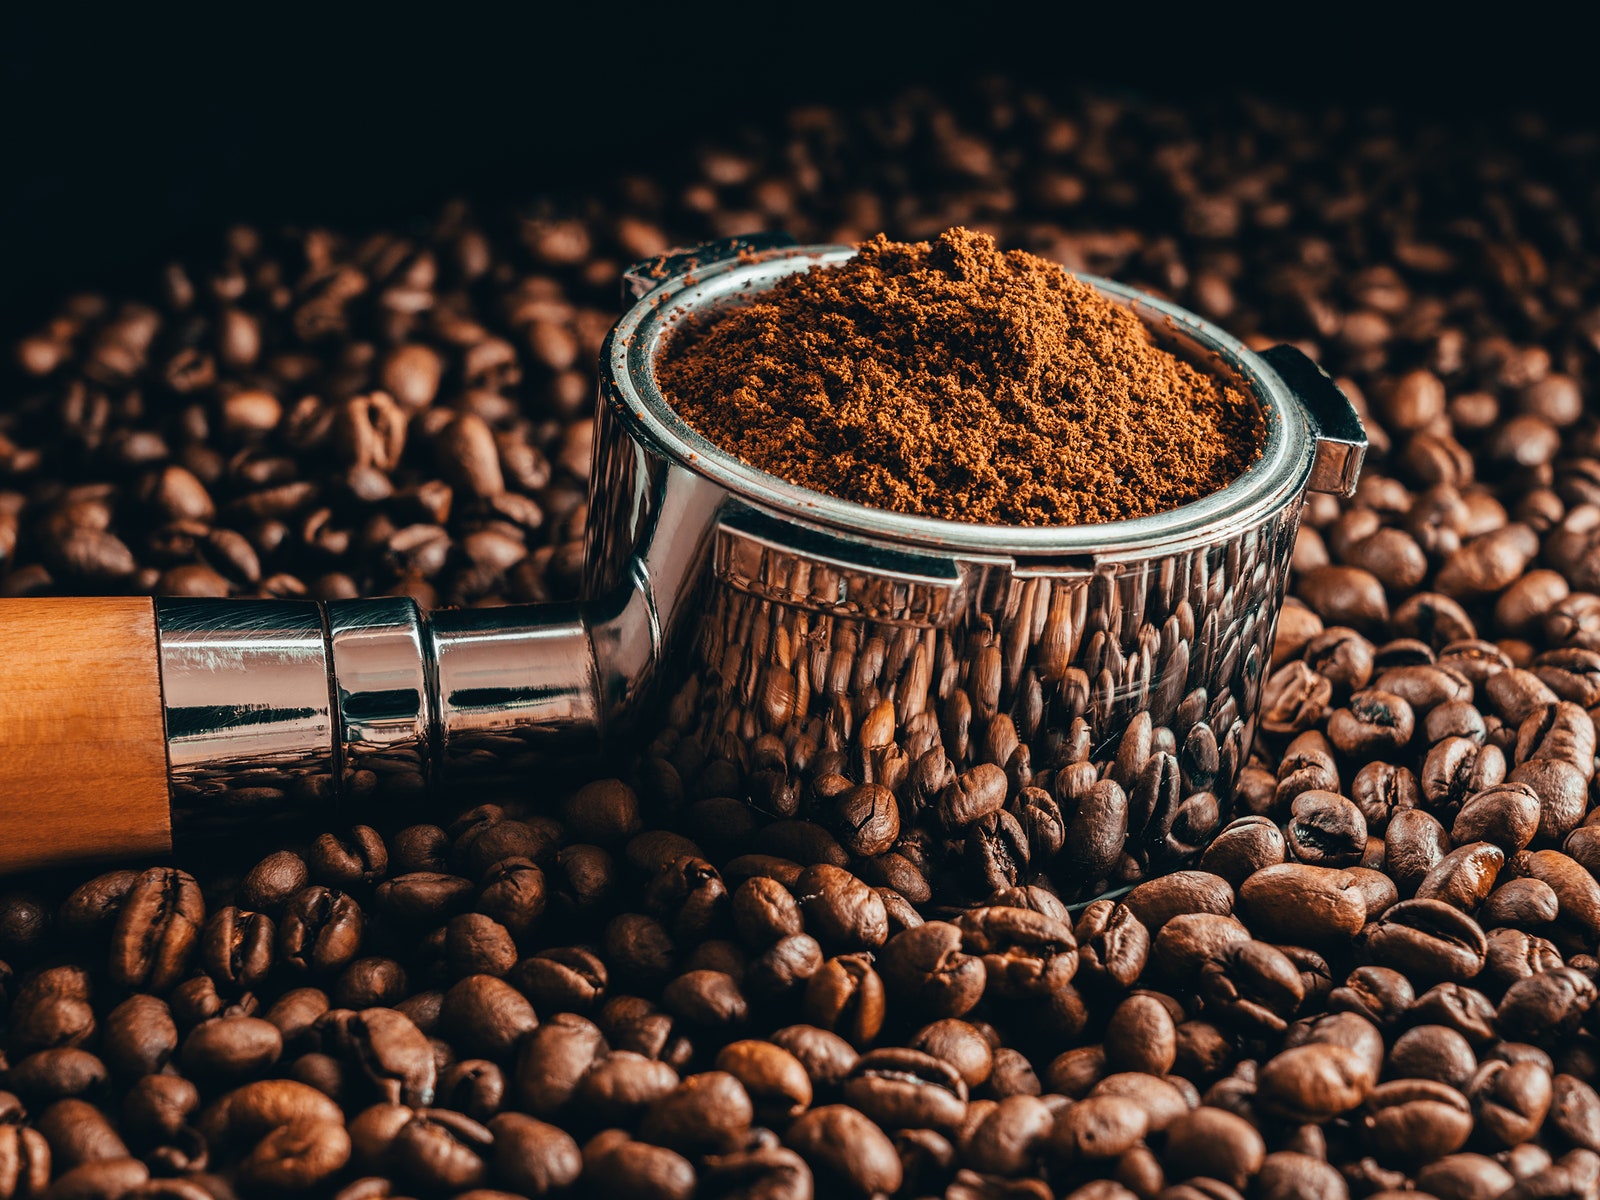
x=953, y=379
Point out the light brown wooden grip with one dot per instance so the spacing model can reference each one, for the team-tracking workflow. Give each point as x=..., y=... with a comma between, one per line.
x=84, y=770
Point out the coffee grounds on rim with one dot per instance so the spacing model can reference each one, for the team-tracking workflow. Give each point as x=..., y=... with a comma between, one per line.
x=952, y=379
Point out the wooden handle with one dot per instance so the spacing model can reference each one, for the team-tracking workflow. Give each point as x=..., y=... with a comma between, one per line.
x=85, y=768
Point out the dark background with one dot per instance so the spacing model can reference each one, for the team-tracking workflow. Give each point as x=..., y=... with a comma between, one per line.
x=134, y=135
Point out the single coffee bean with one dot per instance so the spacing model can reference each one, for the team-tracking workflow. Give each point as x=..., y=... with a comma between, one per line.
x=775, y=1080
x=1141, y=1036
x=900, y=1088
x=1325, y=830
x=926, y=967
x=960, y=1044
x=617, y=1165
x=1253, y=986
x=710, y=1112
x=1023, y=952
x=156, y=930
x=486, y=1016
x=846, y=1150
x=1215, y=1144
x=1303, y=903
x=231, y=1048
x=1429, y=941
x=532, y=1156
x=552, y=1059
x=841, y=910
x=1546, y=1006
x=1418, y=1119
x=1464, y=877
x=846, y=996
x=321, y=930
x=1375, y=723
x=1510, y=1101
x=1099, y=1127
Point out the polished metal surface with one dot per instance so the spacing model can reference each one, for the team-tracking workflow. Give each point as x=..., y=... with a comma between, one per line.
x=385, y=693
x=515, y=686
x=250, y=726
x=831, y=638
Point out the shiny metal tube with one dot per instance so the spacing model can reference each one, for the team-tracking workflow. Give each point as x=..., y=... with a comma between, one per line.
x=275, y=709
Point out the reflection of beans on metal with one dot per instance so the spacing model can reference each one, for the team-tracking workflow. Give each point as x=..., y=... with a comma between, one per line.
x=1144, y=671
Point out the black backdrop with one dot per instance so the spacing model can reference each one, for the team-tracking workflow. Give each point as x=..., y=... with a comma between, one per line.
x=134, y=134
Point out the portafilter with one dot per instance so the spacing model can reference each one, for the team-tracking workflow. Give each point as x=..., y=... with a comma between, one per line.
x=759, y=629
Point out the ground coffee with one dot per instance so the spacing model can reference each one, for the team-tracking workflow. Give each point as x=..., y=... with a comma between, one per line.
x=955, y=380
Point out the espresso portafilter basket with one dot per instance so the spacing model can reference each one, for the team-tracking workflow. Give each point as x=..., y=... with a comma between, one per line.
x=770, y=633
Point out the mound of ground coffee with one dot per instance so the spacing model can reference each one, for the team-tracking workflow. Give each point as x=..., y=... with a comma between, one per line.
x=955, y=380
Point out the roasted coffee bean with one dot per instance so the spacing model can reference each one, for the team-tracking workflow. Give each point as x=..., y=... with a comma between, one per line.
x=1115, y=943
x=926, y=967
x=562, y=979
x=320, y=930
x=1418, y=1120
x=784, y=965
x=359, y=857
x=1325, y=830
x=1464, y=877
x=156, y=930
x=236, y=947
x=775, y=1081
x=273, y=880
x=552, y=1059
x=1158, y=900
x=78, y=1134
x=710, y=1112
x=1303, y=903
x=960, y=1044
x=1023, y=952
x=1141, y=1035
x=619, y=1166
x=1099, y=1127
x=1214, y=1144
x=442, y=1151
x=230, y=1048
x=764, y=911
x=1252, y=985
x=1414, y=844
x=473, y=1086
x=846, y=1150
x=1429, y=941
x=900, y=1089
x=139, y=1037
x=534, y=1157
x=1545, y=1006
x=296, y=1157
x=371, y=983
x=840, y=910
x=486, y=1016
x=1374, y=723
x=1187, y=942
x=1510, y=1101
x=418, y=895
x=25, y=1163
x=846, y=996
x=1244, y=847
x=1507, y=815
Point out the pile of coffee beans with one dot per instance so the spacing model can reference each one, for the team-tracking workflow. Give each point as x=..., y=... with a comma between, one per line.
x=1379, y=979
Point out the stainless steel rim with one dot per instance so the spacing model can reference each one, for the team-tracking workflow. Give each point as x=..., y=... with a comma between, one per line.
x=1277, y=478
